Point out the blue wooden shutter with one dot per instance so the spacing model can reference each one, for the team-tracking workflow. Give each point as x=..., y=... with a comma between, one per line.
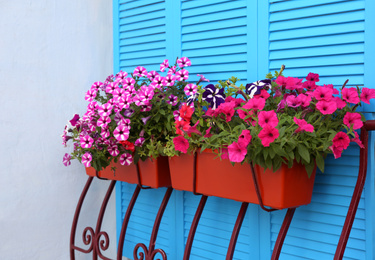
x=324, y=37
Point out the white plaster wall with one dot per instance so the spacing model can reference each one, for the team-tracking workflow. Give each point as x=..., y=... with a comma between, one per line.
x=51, y=51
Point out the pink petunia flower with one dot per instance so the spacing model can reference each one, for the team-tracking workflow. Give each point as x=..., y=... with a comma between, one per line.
x=182, y=75
x=255, y=103
x=164, y=65
x=126, y=159
x=152, y=74
x=105, y=109
x=121, y=133
x=169, y=80
x=337, y=151
x=111, y=87
x=208, y=134
x=193, y=129
x=66, y=159
x=202, y=78
x=128, y=83
x=86, y=141
x=304, y=100
x=183, y=62
x=354, y=119
x=181, y=144
x=140, y=72
x=158, y=81
x=293, y=101
x=105, y=133
x=224, y=154
x=97, y=85
x=227, y=109
x=268, y=118
x=247, y=116
x=186, y=112
x=181, y=127
x=91, y=94
x=309, y=85
x=326, y=108
x=237, y=151
x=330, y=86
x=113, y=150
x=367, y=94
x=172, y=70
x=103, y=121
x=125, y=122
x=303, y=125
x=339, y=102
x=322, y=93
x=139, y=142
x=357, y=140
x=86, y=159
x=245, y=137
x=268, y=134
x=118, y=93
x=172, y=100
x=341, y=139
x=313, y=77
x=350, y=95
x=190, y=89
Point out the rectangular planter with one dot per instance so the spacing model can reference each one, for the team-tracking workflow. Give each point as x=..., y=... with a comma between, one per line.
x=153, y=173
x=284, y=188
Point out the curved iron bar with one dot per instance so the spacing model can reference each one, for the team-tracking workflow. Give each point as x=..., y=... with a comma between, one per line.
x=141, y=254
x=236, y=230
x=97, y=176
x=139, y=184
x=87, y=239
x=363, y=157
x=282, y=233
x=194, y=226
x=125, y=222
x=102, y=244
x=75, y=219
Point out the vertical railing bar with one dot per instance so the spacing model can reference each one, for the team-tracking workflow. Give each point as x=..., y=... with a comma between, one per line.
x=76, y=216
x=282, y=233
x=236, y=230
x=99, y=224
x=194, y=226
x=356, y=196
x=126, y=222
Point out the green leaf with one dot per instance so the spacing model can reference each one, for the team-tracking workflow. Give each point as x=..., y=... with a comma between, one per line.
x=310, y=168
x=303, y=152
x=320, y=161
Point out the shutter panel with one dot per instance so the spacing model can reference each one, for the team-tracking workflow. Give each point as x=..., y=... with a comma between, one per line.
x=324, y=37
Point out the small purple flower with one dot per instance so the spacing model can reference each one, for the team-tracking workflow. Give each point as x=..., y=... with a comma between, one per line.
x=182, y=75
x=190, y=89
x=255, y=87
x=74, y=120
x=91, y=94
x=172, y=100
x=152, y=74
x=169, y=80
x=86, y=141
x=86, y=159
x=145, y=119
x=140, y=71
x=191, y=99
x=164, y=65
x=126, y=159
x=121, y=133
x=183, y=62
x=128, y=112
x=66, y=159
x=139, y=142
x=214, y=96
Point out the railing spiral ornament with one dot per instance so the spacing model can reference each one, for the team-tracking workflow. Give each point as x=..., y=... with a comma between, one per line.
x=102, y=243
x=161, y=252
x=141, y=254
x=88, y=235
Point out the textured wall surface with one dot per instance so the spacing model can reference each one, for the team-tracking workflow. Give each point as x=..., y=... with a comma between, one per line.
x=50, y=53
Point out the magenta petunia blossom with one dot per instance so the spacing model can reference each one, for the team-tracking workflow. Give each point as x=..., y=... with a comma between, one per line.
x=126, y=159
x=113, y=150
x=322, y=93
x=128, y=112
x=105, y=109
x=226, y=108
x=354, y=119
x=125, y=122
x=105, y=133
x=86, y=141
x=86, y=159
x=97, y=85
x=66, y=159
x=245, y=137
x=158, y=81
x=172, y=70
x=193, y=129
x=128, y=83
x=202, y=78
x=91, y=94
x=139, y=142
x=152, y=74
x=237, y=151
x=103, y=121
x=304, y=100
x=350, y=95
x=312, y=77
x=164, y=65
x=111, y=87
x=124, y=102
x=190, y=89
x=357, y=140
x=268, y=134
x=303, y=125
x=367, y=94
x=208, y=134
x=140, y=72
x=146, y=108
x=293, y=101
x=183, y=62
x=118, y=93
x=341, y=139
x=74, y=121
x=339, y=102
x=181, y=144
x=169, y=80
x=268, y=118
x=325, y=107
x=145, y=119
x=182, y=75
x=121, y=75
x=255, y=103
x=309, y=85
x=121, y=133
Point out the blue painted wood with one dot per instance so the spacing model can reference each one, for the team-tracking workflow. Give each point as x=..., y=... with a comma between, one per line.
x=247, y=39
